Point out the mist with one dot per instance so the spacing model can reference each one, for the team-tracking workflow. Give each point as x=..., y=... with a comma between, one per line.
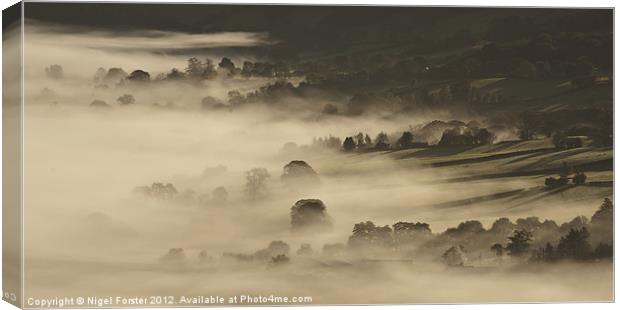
x=87, y=232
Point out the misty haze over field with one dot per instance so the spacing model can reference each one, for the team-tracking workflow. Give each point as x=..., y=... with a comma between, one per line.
x=226, y=153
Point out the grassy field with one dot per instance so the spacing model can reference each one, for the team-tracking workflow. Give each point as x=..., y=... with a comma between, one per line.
x=487, y=182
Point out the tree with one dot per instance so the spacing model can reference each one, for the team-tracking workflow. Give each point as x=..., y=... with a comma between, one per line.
x=604, y=216
x=220, y=195
x=309, y=213
x=528, y=125
x=498, y=249
x=211, y=103
x=99, y=75
x=484, y=136
x=368, y=234
x=305, y=250
x=173, y=256
x=348, y=145
x=256, y=182
x=519, y=243
x=549, y=253
x=381, y=141
x=579, y=178
x=175, y=75
x=502, y=226
x=159, y=191
x=405, y=141
x=455, y=256
x=299, y=174
x=99, y=104
x=274, y=249
x=407, y=232
x=456, y=136
x=559, y=140
x=114, y=75
x=574, y=245
x=126, y=99
x=194, y=68
x=227, y=64
x=565, y=170
x=465, y=229
x=54, y=72
x=603, y=250
x=280, y=259
x=139, y=76
x=359, y=138
x=247, y=69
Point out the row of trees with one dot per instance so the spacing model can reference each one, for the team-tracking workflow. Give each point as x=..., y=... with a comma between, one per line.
x=196, y=70
x=466, y=136
x=361, y=142
x=168, y=192
x=572, y=238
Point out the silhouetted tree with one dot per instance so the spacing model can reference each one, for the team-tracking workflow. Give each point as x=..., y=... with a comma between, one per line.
x=114, y=75
x=228, y=65
x=604, y=215
x=381, y=141
x=519, y=243
x=199, y=70
x=139, y=76
x=406, y=232
x=298, y=174
x=54, y=72
x=559, y=140
x=99, y=75
x=549, y=253
x=405, y=141
x=309, y=214
x=235, y=98
x=579, y=178
x=484, y=136
x=498, y=249
x=528, y=125
x=220, y=195
x=305, y=250
x=367, y=234
x=274, y=249
x=348, y=144
x=280, y=259
x=464, y=229
x=256, y=182
x=99, y=104
x=175, y=75
x=173, y=256
x=211, y=103
x=503, y=227
x=126, y=99
x=603, y=250
x=455, y=256
x=575, y=245
x=359, y=139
